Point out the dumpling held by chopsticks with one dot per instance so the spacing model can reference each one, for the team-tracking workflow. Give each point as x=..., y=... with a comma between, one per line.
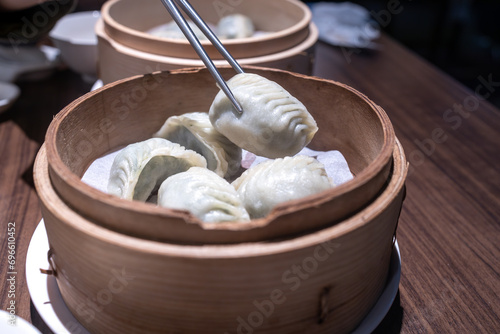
x=273, y=124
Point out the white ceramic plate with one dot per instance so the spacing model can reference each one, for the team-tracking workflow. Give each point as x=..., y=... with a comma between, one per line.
x=20, y=325
x=48, y=301
x=43, y=288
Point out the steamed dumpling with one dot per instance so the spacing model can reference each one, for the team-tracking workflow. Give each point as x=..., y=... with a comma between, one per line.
x=195, y=132
x=235, y=26
x=139, y=169
x=172, y=30
x=273, y=124
x=269, y=183
x=205, y=194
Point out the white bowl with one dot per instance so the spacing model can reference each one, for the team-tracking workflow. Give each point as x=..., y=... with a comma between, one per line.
x=75, y=37
x=8, y=95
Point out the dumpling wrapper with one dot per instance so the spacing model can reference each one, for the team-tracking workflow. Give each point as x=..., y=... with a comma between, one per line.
x=269, y=183
x=203, y=193
x=139, y=169
x=235, y=26
x=195, y=132
x=172, y=30
x=273, y=124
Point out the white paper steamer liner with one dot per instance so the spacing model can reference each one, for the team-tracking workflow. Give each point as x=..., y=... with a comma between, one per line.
x=97, y=175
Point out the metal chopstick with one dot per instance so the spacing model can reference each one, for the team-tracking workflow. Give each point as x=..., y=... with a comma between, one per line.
x=193, y=40
x=191, y=12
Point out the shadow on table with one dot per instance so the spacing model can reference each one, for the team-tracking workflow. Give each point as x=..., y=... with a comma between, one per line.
x=390, y=325
x=39, y=102
x=37, y=320
x=393, y=320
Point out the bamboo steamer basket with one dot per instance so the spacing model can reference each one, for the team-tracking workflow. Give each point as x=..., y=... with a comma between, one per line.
x=131, y=110
x=286, y=23
x=118, y=61
x=321, y=282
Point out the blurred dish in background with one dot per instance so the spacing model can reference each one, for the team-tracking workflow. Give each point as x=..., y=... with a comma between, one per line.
x=28, y=62
x=8, y=95
x=345, y=24
x=26, y=22
x=75, y=37
x=23, y=25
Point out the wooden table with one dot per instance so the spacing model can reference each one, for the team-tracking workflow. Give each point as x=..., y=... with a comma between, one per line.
x=449, y=230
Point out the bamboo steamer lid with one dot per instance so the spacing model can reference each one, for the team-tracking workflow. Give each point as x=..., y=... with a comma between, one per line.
x=131, y=110
x=321, y=282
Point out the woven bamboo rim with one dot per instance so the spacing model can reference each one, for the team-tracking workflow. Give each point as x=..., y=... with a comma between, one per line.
x=67, y=132
x=117, y=18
